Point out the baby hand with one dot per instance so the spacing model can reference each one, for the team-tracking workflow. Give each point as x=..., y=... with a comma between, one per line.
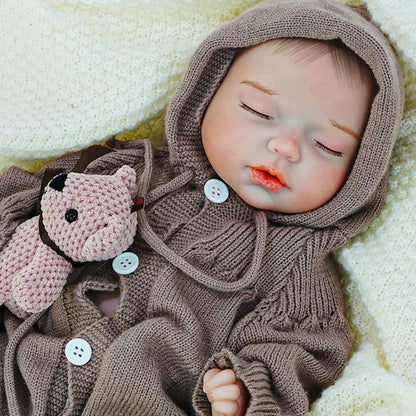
x=225, y=392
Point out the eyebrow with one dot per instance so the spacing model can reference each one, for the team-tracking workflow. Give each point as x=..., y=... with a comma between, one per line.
x=345, y=129
x=258, y=86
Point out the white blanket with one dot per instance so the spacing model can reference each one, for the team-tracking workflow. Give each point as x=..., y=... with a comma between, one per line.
x=76, y=71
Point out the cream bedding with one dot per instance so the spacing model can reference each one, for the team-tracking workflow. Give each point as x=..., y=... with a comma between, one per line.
x=77, y=71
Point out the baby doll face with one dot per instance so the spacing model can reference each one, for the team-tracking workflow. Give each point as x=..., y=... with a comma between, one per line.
x=284, y=135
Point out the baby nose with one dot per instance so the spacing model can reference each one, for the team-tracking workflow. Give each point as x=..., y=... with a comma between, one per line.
x=286, y=145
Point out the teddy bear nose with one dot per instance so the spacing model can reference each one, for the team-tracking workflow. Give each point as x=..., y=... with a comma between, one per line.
x=71, y=215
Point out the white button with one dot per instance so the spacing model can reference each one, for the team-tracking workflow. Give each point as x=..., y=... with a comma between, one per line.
x=78, y=351
x=216, y=191
x=125, y=263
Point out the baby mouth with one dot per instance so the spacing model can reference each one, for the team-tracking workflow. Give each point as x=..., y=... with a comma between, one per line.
x=268, y=177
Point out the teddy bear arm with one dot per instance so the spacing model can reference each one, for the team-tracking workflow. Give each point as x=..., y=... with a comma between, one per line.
x=17, y=254
x=39, y=284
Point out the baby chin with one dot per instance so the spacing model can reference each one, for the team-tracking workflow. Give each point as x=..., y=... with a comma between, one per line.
x=261, y=197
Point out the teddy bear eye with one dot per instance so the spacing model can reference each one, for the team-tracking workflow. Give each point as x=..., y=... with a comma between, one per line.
x=71, y=215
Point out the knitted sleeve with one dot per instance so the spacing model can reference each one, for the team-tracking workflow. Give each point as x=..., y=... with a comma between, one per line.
x=19, y=191
x=3, y=344
x=295, y=343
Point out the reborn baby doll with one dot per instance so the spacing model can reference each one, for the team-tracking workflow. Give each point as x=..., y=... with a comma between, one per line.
x=277, y=154
x=284, y=134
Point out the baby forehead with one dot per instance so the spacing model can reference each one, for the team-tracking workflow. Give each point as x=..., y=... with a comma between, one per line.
x=348, y=66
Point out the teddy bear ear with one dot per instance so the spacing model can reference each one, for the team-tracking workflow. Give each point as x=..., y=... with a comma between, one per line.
x=47, y=177
x=128, y=177
x=58, y=182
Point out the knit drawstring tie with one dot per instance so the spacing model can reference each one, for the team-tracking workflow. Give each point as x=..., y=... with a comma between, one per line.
x=175, y=259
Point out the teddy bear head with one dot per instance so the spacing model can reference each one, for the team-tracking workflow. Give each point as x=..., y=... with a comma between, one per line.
x=89, y=217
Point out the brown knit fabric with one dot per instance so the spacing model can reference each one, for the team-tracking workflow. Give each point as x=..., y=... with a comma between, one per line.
x=219, y=285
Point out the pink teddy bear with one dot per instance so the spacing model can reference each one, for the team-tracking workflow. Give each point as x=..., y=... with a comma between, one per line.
x=83, y=218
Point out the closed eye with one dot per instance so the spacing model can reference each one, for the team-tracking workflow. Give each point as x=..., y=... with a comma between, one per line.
x=251, y=110
x=326, y=149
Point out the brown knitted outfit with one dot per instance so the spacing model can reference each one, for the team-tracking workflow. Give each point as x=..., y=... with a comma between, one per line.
x=218, y=285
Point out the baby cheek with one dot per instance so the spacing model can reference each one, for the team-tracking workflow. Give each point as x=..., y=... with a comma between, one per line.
x=227, y=138
x=215, y=146
x=324, y=185
x=333, y=179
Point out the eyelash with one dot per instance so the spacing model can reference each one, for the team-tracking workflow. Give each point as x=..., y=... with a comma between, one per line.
x=326, y=149
x=251, y=110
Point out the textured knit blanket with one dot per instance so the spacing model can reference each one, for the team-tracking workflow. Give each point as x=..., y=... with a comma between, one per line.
x=77, y=71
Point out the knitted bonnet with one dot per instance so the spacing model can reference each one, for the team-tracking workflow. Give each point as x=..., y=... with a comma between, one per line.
x=363, y=193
